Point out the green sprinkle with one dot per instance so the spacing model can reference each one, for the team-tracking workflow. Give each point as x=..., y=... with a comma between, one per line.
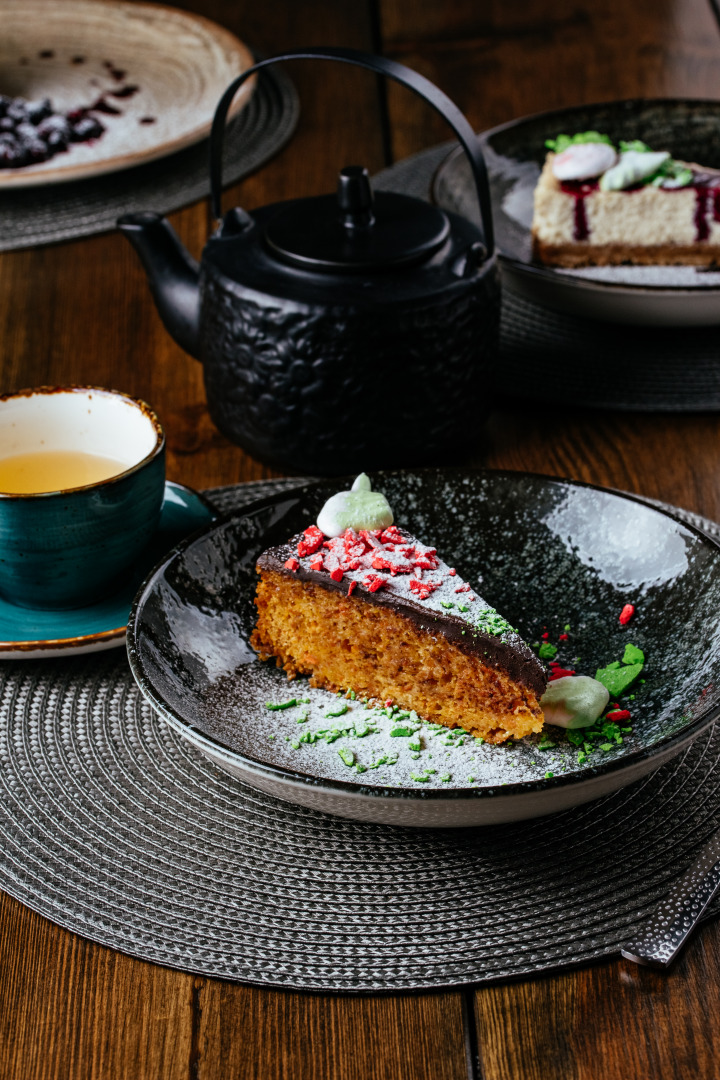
x=489, y=621
x=420, y=778
x=633, y=655
x=351, y=694
x=479, y=740
x=415, y=756
x=271, y=736
x=563, y=141
x=549, y=775
x=304, y=701
x=471, y=779
x=362, y=728
x=463, y=607
x=360, y=768
x=582, y=757
x=339, y=711
x=634, y=144
x=295, y=744
x=566, y=628
x=616, y=679
x=463, y=633
x=415, y=743
x=446, y=603
x=548, y=651
x=445, y=777
x=346, y=755
x=546, y=744
x=303, y=719
x=331, y=736
x=281, y=705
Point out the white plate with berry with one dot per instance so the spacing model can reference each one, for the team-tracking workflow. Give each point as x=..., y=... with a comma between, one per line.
x=88, y=88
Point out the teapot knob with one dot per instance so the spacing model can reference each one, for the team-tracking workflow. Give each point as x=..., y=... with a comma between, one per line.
x=355, y=197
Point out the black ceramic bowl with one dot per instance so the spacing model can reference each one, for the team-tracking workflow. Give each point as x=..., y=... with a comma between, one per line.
x=515, y=152
x=546, y=552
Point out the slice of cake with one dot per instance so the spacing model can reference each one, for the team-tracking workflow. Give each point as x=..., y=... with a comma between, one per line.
x=598, y=205
x=359, y=604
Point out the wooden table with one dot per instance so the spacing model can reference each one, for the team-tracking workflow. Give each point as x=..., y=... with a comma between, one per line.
x=81, y=312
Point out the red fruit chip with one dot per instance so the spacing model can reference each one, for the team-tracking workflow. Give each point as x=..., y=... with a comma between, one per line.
x=626, y=614
x=312, y=541
x=292, y=564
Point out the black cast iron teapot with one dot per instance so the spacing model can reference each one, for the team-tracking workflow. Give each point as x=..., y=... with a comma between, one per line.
x=342, y=332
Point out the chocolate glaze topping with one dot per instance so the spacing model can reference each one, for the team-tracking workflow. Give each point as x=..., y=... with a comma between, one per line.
x=498, y=646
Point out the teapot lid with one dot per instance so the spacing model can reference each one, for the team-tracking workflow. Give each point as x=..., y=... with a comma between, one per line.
x=356, y=230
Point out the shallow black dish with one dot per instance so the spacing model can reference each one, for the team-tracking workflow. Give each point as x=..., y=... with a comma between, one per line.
x=550, y=552
x=514, y=152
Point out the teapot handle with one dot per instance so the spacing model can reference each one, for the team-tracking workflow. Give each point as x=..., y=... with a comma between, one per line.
x=381, y=66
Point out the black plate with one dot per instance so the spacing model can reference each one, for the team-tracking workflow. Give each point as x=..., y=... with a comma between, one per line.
x=515, y=152
x=550, y=552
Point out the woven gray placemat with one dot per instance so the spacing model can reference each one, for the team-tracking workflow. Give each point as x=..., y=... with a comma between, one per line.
x=547, y=355
x=44, y=215
x=114, y=827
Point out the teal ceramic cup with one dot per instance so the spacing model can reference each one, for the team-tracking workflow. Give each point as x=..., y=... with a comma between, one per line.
x=69, y=547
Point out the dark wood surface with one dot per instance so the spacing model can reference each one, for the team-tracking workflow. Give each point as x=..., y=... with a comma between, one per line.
x=81, y=312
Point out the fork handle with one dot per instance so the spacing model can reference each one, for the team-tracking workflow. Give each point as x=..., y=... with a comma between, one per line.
x=674, y=919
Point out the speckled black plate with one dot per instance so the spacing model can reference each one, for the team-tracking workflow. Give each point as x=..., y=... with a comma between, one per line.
x=648, y=295
x=546, y=552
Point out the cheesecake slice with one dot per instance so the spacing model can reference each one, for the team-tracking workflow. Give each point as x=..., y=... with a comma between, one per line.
x=377, y=612
x=644, y=208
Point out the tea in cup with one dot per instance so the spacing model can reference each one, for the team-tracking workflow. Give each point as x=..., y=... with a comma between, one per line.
x=82, y=480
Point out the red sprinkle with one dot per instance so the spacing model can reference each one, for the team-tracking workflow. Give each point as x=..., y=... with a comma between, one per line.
x=452, y=571
x=563, y=637
x=545, y=636
x=352, y=587
x=626, y=614
x=373, y=582
x=316, y=563
x=617, y=715
x=423, y=588
x=559, y=673
x=292, y=564
x=337, y=574
x=463, y=588
x=312, y=542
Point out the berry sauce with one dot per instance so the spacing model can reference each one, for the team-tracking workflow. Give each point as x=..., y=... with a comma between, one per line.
x=707, y=198
x=579, y=189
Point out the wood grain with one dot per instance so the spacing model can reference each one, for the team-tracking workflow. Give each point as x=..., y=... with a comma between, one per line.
x=498, y=61
x=610, y=1020
x=81, y=312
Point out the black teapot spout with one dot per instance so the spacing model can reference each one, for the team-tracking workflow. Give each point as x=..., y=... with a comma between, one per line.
x=172, y=273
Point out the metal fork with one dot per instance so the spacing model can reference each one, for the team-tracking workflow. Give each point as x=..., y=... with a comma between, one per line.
x=672, y=922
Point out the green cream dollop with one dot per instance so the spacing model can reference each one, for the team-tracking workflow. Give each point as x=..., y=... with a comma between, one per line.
x=359, y=508
x=574, y=701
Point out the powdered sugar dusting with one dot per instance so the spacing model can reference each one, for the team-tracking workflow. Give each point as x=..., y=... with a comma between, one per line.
x=395, y=561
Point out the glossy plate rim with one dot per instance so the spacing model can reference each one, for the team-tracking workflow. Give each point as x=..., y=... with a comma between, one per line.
x=234, y=759
x=17, y=179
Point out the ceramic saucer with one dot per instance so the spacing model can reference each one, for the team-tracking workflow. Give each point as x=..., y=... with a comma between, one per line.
x=27, y=633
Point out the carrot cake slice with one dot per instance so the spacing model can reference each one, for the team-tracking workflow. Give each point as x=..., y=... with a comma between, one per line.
x=357, y=603
x=596, y=204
